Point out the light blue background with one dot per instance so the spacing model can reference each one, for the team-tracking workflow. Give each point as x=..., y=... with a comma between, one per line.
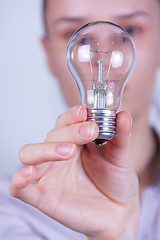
x=29, y=95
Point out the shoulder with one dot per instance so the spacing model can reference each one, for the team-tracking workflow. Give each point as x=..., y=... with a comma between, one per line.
x=150, y=213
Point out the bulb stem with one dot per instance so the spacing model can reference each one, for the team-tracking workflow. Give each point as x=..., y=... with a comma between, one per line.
x=100, y=70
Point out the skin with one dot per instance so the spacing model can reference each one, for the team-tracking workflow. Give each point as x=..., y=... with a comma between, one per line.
x=142, y=21
x=90, y=189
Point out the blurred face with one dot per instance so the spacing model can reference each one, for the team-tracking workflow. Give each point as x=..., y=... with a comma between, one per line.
x=140, y=18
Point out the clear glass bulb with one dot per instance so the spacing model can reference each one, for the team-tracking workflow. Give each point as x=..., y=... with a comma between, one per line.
x=101, y=57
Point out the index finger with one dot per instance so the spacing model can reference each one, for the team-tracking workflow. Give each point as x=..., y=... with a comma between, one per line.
x=73, y=115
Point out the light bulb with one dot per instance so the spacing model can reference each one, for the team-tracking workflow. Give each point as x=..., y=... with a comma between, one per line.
x=101, y=57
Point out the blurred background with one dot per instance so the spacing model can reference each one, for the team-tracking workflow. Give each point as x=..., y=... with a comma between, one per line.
x=28, y=93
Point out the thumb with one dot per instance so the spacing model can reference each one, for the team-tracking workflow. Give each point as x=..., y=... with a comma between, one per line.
x=110, y=167
x=117, y=150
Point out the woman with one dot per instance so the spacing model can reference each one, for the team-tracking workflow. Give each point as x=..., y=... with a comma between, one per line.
x=95, y=190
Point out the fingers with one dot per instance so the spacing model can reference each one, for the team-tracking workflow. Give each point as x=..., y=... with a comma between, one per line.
x=21, y=187
x=72, y=127
x=117, y=149
x=32, y=154
x=61, y=144
x=73, y=115
x=80, y=133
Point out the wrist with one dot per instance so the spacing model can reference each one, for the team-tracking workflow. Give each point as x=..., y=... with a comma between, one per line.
x=130, y=232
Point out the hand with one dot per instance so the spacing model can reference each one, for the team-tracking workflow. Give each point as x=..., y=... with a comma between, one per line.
x=90, y=189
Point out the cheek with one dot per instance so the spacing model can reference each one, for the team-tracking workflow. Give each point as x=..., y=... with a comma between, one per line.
x=147, y=64
x=66, y=82
x=138, y=92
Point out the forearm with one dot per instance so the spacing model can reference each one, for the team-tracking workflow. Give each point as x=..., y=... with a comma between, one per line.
x=106, y=238
x=132, y=235
x=126, y=236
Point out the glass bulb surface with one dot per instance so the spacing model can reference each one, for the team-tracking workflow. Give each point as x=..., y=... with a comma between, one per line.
x=101, y=57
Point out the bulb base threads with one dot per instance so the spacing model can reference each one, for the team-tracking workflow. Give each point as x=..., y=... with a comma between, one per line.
x=106, y=121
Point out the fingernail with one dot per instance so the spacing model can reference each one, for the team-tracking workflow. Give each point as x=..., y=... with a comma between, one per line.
x=76, y=111
x=87, y=130
x=26, y=172
x=65, y=149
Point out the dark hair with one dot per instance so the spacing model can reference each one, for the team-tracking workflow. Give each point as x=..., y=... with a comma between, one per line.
x=44, y=5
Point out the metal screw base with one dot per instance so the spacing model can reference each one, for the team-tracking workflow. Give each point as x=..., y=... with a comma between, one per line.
x=106, y=121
